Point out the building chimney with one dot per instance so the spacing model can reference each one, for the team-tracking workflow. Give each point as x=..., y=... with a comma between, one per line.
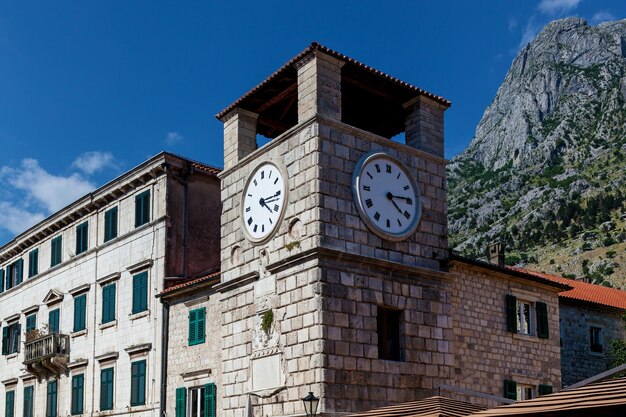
x=496, y=254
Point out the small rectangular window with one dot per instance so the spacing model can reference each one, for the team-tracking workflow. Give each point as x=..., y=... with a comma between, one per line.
x=388, y=325
x=138, y=383
x=140, y=292
x=56, y=251
x=110, y=224
x=28, y=401
x=11, y=338
x=31, y=322
x=33, y=263
x=595, y=339
x=142, y=208
x=51, y=399
x=14, y=273
x=106, y=389
x=1, y=280
x=197, y=326
x=524, y=317
x=108, y=303
x=53, y=321
x=80, y=312
x=82, y=238
x=78, y=382
x=525, y=392
x=9, y=409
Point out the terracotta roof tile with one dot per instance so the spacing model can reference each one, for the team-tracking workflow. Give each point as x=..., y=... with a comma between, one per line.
x=584, y=291
x=317, y=47
x=205, y=168
x=432, y=407
x=189, y=283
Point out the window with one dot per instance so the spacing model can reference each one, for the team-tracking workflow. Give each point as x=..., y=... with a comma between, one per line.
x=82, y=238
x=110, y=224
x=142, y=208
x=201, y=401
x=545, y=389
x=595, y=339
x=55, y=251
x=523, y=316
x=53, y=321
x=1, y=280
x=197, y=320
x=388, y=325
x=524, y=392
x=80, y=312
x=31, y=322
x=14, y=273
x=11, y=338
x=140, y=292
x=51, y=399
x=28, y=401
x=108, y=303
x=138, y=383
x=78, y=382
x=106, y=389
x=33, y=263
x=9, y=409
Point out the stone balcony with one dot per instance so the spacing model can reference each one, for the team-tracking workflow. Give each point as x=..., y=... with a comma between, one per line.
x=47, y=356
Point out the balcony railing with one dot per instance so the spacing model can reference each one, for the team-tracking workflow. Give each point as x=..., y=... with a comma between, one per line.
x=47, y=355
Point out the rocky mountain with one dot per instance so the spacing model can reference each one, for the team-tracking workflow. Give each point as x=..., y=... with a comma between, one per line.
x=546, y=169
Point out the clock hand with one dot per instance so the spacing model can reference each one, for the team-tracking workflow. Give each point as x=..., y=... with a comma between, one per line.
x=272, y=196
x=262, y=203
x=390, y=197
x=271, y=200
x=407, y=199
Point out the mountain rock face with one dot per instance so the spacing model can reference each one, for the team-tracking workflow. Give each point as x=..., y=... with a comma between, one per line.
x=546, y=168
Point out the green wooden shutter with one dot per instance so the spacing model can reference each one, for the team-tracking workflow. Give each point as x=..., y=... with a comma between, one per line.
x=192, y=336
x=1, y=280
x=511, y=313
x=77, y=394
x=31, y=322
x=140, y=292
x=138, y=383
x=545, y=389
x=28, y=401
x=18, y=335
x=9, y=277
x=201, y=325
x=145, y=207
x=82, y=237
x=33, y=263
x=53, y=321
x=510, y=389
x=209, y=400
x=5, y=340
x=51, y=399
x=9, y=410
x=106, y=389
x=110, y=224
x=19, y=271
x=181, y=402
x=80, y=304
x=542, y=320
x=108, y=303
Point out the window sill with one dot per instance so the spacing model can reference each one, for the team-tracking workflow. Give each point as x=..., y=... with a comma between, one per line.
x=78, y=333
x=108, y=324
x=596, y=354
x=523, y=336
x=11, y=356
x=141, y=314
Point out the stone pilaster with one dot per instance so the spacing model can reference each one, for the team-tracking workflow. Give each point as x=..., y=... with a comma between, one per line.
x=239, y=136
x=319, y=86
x=424, y=125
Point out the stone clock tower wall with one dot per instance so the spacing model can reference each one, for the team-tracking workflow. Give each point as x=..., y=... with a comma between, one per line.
x=302, y=312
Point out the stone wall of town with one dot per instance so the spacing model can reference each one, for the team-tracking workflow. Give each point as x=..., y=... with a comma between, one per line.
x=578, y=362
x=486, y=353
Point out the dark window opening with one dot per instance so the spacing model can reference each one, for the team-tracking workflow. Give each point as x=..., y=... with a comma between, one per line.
x=389, y=346
x=595, y=339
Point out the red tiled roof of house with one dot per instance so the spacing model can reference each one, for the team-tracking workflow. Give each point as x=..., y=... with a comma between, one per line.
x=317, y=47
x=584, y=291
x=205, y=168
x=189, y=283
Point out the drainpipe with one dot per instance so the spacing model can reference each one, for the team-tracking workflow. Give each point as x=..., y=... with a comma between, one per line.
x=164, y=348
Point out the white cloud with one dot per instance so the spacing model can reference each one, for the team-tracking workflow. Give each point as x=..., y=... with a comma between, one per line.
x=554, y=7
x=90, y=162
x=512, y=24
x=16, y=220
x=602, y=16
x=173, y=138
x=52, y=192
x=530, y=31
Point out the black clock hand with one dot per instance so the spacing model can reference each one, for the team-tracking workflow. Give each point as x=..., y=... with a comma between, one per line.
x=272, y=196
x=262, y=203
x=407, y=199
x=390, y=197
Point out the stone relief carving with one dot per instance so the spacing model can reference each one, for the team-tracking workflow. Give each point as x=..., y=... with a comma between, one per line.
x=265, y=342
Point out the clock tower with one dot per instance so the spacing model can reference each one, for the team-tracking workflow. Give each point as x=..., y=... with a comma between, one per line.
x=333, y=234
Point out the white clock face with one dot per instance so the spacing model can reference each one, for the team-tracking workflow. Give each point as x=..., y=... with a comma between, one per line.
x=263, y=202
x=386, y=196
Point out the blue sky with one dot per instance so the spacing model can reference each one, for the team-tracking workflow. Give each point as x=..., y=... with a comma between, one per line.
x=90, y=89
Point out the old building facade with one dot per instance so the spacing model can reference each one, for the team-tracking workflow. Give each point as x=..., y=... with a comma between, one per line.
x=81, y=327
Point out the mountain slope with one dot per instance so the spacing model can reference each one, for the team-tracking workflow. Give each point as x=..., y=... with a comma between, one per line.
x=546, y=170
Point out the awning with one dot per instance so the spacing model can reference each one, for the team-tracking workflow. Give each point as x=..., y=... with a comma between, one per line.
x=429, y=407
x=602, y=399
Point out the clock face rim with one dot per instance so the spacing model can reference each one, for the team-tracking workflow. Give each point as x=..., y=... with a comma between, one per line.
x=283, y=206
x=356, y=193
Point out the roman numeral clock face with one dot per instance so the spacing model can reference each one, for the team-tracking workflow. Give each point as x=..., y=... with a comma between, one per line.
x=386, y=196
x=263, y=202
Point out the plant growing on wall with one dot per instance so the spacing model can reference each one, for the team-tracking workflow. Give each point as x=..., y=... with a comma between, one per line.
x=266, y=321
x=618, y=350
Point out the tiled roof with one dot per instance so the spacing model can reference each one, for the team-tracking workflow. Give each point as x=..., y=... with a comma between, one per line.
x=317, y=47
x=584, y=291
x=429, y=407
x=191, y=282
x=601, y=399
x=205, y=168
